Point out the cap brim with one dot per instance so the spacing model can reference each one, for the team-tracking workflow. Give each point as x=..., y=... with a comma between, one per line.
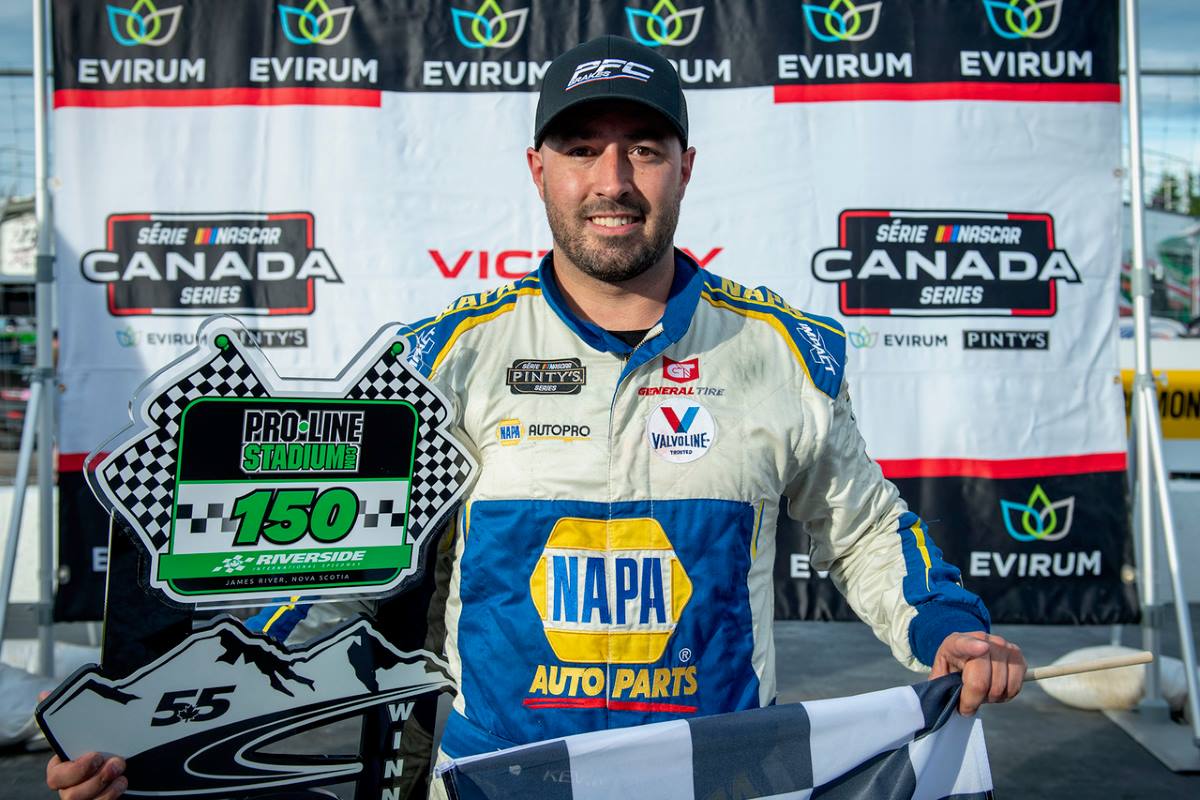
x=540, y=134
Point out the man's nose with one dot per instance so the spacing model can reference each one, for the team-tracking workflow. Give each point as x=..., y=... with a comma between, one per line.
x=614, y=173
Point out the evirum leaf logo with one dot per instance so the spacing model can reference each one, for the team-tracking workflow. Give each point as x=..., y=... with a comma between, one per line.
x=1024, y=19
x=1039, y=519
x=489, y=26
x=842, y=20
x=315, y=23
x=145, y=24
x=664, y=24
x=863, y=337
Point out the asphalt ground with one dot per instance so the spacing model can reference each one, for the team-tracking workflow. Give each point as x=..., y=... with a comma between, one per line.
x=1038, y=747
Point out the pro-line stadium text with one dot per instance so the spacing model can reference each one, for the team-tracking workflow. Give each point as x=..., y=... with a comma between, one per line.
x=288, y=441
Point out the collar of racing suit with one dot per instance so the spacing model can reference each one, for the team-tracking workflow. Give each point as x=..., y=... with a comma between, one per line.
x=681, y=306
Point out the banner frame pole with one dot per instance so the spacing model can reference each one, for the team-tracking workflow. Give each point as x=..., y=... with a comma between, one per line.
x=44, y=371
x=20, y=484
x=1183, y=615
x=1151, y=471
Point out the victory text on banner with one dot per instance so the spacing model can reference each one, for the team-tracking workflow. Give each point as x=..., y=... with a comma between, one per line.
x=943, y=176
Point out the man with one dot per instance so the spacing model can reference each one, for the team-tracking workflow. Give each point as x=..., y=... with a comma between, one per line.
x=640, y=423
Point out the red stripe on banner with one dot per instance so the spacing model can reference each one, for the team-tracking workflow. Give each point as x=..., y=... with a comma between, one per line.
x=951, y=90
x=231, y=96
x=1010, y=468
x=73, y=462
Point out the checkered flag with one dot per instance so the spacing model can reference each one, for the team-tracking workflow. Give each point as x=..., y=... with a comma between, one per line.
x=904, y=743
x=137, y=478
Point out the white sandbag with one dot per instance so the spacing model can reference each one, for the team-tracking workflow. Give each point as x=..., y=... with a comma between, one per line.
x=19, y=689
x=1114, y=689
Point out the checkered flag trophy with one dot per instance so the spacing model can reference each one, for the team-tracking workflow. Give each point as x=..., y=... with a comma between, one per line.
x=134, y=474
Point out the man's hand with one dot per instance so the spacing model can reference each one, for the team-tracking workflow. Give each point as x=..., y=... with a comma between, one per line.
x=89, y=777
x=992, y=669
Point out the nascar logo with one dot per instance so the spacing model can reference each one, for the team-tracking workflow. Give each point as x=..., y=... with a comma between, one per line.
x=609, y=591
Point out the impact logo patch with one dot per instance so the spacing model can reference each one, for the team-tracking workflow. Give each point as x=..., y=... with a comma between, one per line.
x=538, y=376
x=201, y=264
x=946, y=263
x=679, y=431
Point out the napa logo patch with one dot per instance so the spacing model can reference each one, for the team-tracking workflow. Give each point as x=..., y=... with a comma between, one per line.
x=609, y=591
x=680, y=431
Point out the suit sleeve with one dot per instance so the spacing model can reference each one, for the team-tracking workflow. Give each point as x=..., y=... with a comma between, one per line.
x=878, y=553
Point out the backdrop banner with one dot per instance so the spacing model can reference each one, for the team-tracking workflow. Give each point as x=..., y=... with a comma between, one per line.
x=942, y=176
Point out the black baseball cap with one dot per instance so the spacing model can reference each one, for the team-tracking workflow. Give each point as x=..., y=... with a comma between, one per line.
x=610, y=68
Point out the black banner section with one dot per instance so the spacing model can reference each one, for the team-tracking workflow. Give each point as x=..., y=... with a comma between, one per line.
x=505, y=45
x=1048, y=550
x=82, y=551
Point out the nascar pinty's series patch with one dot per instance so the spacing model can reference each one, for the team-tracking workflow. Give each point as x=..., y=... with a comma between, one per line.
x=241, y=484
x=680, y=431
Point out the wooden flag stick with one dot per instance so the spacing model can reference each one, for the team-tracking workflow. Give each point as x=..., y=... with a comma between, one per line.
x=1038, y=673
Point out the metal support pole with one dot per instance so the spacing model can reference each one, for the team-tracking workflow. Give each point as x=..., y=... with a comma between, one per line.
x=1183, y=615
x=1140, y=289
x=24, y=459
x=1149, y=723
x=1195, y=275
x=45, y=347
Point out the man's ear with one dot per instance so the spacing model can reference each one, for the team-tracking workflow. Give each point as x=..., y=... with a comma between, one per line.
x=686, y=161
x=534, y=159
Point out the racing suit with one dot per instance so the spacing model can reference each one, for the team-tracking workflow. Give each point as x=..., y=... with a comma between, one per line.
x=613, y=561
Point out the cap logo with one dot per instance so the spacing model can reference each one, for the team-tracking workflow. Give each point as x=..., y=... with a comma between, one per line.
x=607, y=70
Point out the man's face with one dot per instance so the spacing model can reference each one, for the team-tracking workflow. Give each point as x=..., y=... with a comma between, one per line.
x=611, y=175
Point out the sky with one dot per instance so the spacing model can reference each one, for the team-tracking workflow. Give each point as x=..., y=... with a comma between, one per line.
x=1170, y=30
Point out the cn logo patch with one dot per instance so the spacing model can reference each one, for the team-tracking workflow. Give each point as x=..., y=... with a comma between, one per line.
x=680, y=431
x=681, y=371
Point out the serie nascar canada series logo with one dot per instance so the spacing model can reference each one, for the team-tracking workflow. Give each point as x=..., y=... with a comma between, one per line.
x=945, y=263
x=200, y=264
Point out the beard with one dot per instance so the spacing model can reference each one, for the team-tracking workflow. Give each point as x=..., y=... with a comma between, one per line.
x=613, y=259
